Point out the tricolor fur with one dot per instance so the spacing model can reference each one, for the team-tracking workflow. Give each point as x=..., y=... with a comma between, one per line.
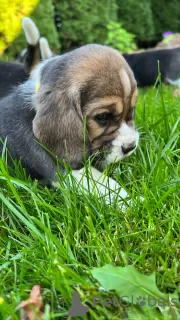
x=90, y=90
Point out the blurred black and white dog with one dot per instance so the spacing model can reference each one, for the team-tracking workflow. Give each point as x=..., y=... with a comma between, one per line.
x=145, y=66
x=14, y=73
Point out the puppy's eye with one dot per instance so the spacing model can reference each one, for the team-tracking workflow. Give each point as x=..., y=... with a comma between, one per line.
x=104, y=117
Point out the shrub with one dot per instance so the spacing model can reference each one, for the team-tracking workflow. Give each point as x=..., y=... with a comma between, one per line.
x=10, y=19
x=136, y=17
x=119, y=38
x=166, y=16
x=43, y=16
x=84, y=21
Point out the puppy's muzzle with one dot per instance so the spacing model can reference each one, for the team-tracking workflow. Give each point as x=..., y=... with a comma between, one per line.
x=128, y=148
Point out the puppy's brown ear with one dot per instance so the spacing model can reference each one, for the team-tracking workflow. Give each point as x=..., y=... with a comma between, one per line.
x=59, y=125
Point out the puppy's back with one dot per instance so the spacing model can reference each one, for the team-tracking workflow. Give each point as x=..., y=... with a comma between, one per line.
x=11, y=74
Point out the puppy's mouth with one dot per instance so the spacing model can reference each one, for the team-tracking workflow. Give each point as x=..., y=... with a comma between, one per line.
x=115, y=150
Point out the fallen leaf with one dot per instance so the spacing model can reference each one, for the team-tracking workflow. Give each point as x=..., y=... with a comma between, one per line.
x=31, y=308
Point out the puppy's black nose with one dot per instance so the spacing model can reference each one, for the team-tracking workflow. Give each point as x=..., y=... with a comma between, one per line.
x=130, y=147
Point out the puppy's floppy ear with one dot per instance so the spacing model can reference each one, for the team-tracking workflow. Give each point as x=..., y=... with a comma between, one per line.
x=59, y=125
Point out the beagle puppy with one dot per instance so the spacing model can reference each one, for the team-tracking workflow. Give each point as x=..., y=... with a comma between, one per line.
x=74, y=106
x=14, y=73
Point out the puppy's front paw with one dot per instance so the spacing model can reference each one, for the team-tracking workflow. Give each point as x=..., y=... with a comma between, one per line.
x=97, y=183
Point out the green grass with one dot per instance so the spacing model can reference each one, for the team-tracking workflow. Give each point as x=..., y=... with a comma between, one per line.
x=55, y=237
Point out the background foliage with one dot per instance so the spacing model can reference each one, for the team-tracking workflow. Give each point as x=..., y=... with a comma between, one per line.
x=43, y=16
x=119, y=38
x=166, y=15
x=84, y=21
x=71, y=23
x=136, y=17
x=10, y=17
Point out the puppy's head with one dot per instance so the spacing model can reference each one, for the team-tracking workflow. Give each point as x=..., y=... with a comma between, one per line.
x=94, y=83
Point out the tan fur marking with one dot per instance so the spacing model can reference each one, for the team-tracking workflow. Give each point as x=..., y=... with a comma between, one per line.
x=102, y=104
x=94, y=130
x=119, y=106
x=134, y=98
x=125, y=82
x=90, y=61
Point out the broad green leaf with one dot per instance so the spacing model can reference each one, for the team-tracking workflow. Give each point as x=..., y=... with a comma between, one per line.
x=132, y=286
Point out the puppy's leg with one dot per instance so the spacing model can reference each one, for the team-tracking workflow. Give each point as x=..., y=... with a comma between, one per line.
x=94, y=180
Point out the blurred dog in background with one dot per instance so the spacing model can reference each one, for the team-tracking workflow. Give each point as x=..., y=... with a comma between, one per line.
x=14, y=73
x=145, y=66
